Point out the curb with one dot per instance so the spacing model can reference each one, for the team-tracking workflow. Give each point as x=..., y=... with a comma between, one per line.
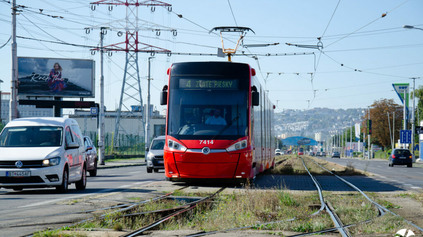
x=119, y=166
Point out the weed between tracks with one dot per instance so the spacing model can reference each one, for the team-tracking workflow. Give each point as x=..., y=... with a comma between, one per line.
x=292, y=165
x=254, y=207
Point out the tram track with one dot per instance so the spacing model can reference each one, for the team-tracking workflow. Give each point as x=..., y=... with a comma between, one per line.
x=188, y=207
x=125, y=207
x=381, y=208
x=325, y=207
x=340, y=227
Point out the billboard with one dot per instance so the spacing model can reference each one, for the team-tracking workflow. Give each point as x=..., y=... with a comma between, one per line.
x=56, y=77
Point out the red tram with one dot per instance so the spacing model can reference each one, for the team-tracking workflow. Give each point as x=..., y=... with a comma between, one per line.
x=219, y=122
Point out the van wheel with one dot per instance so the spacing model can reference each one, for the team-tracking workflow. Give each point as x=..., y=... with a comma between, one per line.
x=149, y=170
x=81, y=184
x=63, y=188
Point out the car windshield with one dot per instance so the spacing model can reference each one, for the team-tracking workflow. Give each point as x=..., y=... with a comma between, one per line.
x=157, y=144
x=31, y=136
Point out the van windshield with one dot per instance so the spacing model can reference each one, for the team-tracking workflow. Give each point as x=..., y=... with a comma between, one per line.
x=31, y=136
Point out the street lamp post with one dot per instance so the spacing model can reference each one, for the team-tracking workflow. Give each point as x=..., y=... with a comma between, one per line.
x=414, y=116
x=411, y=27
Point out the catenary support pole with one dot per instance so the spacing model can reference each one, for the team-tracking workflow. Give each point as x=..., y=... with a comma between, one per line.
x=147, y=111
x=13, y=108
x=101, y=112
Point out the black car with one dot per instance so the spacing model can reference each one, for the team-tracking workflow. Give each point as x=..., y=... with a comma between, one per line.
x=401, y=157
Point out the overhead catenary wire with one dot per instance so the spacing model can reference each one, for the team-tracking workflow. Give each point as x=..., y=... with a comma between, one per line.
x=383, y=15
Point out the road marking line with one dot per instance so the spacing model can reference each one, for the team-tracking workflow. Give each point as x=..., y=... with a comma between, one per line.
x=84, y=195
x=414, y=187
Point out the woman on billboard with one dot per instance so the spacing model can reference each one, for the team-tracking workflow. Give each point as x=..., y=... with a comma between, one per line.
x=55, y=81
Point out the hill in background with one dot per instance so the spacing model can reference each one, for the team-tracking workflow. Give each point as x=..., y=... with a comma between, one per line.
x=308, y=122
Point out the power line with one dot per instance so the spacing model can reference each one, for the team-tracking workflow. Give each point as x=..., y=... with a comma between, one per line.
x=371, y=22
x=330, y=20
x=6, y=42
x=233, y=15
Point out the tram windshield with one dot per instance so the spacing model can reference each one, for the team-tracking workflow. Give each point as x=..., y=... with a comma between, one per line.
x=208, y=108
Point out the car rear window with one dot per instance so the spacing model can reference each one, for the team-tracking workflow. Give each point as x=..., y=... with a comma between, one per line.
x=402, y=153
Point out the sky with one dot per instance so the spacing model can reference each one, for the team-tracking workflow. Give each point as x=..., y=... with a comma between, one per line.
x=363, y=47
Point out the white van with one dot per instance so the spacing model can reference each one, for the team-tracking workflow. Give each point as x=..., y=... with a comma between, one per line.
x=42, y=152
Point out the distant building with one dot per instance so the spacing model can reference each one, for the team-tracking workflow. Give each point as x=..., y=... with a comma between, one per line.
x=24, y=111
x=318, y=136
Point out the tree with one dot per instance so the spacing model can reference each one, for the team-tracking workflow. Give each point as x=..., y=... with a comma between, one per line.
x=380, y=125
x=419, y=95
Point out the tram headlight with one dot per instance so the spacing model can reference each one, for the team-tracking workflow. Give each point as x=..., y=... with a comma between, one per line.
x=175, y=145
x=237, y=146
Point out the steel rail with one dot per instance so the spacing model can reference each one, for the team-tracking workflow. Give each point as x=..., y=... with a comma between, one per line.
x=130, y=204
x=322, y=207
x=190, y=206
x=338, y=224
x=382, y=208
x=127, y=206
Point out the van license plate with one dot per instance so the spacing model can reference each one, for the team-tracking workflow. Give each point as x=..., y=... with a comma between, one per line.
x=18, y=173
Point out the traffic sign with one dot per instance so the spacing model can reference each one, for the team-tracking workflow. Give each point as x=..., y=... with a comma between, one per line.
x=94, y=111
x=405, y=136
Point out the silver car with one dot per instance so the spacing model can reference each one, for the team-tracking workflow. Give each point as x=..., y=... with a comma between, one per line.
x=155, y=153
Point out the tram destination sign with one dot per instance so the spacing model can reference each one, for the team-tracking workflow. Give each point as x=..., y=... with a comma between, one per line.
x=208, y=84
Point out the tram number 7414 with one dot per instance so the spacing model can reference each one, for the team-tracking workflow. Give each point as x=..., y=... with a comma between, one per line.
x=206, y=142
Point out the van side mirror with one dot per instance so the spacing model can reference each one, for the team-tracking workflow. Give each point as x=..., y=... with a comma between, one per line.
x=255, y=97
x=89, y=148
x=72, y=145
x=163, y=96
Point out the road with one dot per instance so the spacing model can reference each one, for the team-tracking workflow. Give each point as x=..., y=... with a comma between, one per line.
x=401, y=176
x=20, y=210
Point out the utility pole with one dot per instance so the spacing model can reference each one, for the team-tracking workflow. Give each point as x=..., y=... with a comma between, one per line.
x=393, y=130
x=346, y=137
x=413, y=118
x=103, y=31
x=351, y=149
x=147, y=112
x=369, y=149
x=13, y=110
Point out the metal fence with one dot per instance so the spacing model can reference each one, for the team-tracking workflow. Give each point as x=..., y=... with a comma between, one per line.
x=129, y=144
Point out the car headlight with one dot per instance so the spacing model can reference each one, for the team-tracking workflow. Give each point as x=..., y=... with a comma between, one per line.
x=237, y=146
x=175, y=145
x=51, y=162
x=150, y=156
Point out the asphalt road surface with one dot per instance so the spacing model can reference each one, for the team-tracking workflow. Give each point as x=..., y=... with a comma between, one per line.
x=400, y=176
x=19, y=211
